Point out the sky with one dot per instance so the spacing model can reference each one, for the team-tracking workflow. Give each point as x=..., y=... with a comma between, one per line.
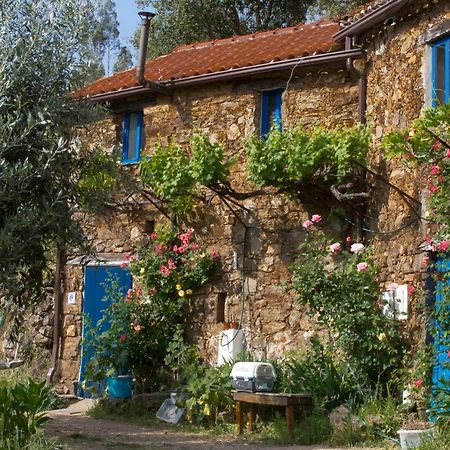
x=128, y=21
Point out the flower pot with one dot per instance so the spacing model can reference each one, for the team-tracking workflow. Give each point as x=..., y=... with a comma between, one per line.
x=120, y=386
x=410, y=439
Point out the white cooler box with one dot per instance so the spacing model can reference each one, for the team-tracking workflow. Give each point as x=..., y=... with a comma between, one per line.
x=253, y=377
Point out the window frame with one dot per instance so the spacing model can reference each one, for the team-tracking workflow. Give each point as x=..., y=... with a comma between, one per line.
x=434, y=45
x=126, y=137
x=265, y=126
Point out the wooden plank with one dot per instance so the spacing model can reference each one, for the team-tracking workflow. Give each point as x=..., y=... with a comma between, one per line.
x=274, y=399
x=251, y=417
x=239, y=419
x=290, y=421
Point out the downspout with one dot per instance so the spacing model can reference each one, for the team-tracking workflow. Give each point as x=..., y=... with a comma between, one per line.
x=362, y=102
x=362, y=83
x=60, y=255
x=140, y=67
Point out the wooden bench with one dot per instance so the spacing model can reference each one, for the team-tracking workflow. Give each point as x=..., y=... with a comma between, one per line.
x=303, y=401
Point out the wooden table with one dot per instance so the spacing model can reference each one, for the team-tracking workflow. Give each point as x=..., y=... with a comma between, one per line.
x=303, y=401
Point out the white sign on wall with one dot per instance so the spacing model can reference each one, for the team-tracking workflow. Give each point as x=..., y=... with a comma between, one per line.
x=395, y=303
x=72, y=298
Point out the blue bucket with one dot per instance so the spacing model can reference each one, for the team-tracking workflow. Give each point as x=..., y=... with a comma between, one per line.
x=120, y=386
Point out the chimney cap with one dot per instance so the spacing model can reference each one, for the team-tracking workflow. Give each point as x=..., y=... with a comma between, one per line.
x=146, y=15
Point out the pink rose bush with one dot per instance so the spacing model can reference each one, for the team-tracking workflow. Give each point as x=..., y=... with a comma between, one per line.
x=341, y=291
x=169, y=268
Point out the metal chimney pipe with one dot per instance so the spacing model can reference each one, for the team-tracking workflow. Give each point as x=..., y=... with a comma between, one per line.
x=140, y=67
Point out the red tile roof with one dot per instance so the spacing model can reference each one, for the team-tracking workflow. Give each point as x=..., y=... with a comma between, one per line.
x=226, y=54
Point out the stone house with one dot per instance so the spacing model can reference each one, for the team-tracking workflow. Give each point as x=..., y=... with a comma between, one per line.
x=382, y=63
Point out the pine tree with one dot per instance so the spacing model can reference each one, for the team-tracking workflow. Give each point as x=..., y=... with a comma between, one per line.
x=124, y=60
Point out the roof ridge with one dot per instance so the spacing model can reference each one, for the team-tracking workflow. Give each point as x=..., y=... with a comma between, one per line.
x=254, y=35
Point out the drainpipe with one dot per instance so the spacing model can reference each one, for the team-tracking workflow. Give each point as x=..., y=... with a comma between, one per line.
x=60, y=257
x=362, y=83
x=140, y=68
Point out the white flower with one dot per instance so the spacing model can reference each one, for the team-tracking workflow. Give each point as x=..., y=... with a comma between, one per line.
x=357, y=248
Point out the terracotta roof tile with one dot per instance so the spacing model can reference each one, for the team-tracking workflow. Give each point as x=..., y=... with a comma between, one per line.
x=226, y=54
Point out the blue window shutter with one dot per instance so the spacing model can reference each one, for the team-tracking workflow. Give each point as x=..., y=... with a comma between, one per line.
x=277, y=110
x=270, y=111
x=447, y=70
x=440, y=75
x=265, y=126
x=126, y=137
x=139, y=127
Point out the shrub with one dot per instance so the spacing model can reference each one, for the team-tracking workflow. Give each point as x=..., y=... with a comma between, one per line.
x=22, y=411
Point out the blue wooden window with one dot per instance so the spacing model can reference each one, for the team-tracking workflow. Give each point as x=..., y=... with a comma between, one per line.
x=440, y=68
x=270, y=111
x=133, y=131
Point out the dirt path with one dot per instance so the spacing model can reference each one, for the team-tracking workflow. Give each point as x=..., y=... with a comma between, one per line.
x=80, y=432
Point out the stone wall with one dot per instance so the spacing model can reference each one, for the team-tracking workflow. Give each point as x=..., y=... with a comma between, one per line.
x=228, y=113
x=399, y=69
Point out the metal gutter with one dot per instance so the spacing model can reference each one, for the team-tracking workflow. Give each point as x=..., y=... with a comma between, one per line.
x=274, y=66
x=370, y=20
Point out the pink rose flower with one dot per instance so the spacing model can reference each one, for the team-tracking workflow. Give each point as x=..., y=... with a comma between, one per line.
x=348, y=239
x=165, y=271
x=158, y=248
x=195, y=246
x=357, y=248
x=214, y=254
x=447, y=153
x=123, y=337
x=436, y=145
x=435, y=170
x=392, y=287
x=335, y=248
x=448, y=354
x=171, y=264
x=316, y=218
x=175, y=248
x=362, y=266
x=132, y=258
x=411, y=289
x=123, y=265
x=425, y=260
x=182, y=249
x=443, y=246
x=307, y=223
x=154, y=235
x=418, y=383
x=433, y=188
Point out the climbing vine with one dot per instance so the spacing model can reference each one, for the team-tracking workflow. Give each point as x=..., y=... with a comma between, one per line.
x=290, y=161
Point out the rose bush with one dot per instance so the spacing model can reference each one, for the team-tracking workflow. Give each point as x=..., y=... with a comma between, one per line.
x=139, y=326
x=341, y=291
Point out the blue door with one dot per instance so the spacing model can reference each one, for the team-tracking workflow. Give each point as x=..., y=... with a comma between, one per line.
x=441, y=369
x=96, y=278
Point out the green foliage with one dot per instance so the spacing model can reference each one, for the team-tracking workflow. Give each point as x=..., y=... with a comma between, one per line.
x=22, y=412
x=124, y=60
x=298, y=156
x=167, y=174
x=42, y=181
x=342, y=294
x=175, y=174
x=208, y=393
x=428, y=144
x=319, y=372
